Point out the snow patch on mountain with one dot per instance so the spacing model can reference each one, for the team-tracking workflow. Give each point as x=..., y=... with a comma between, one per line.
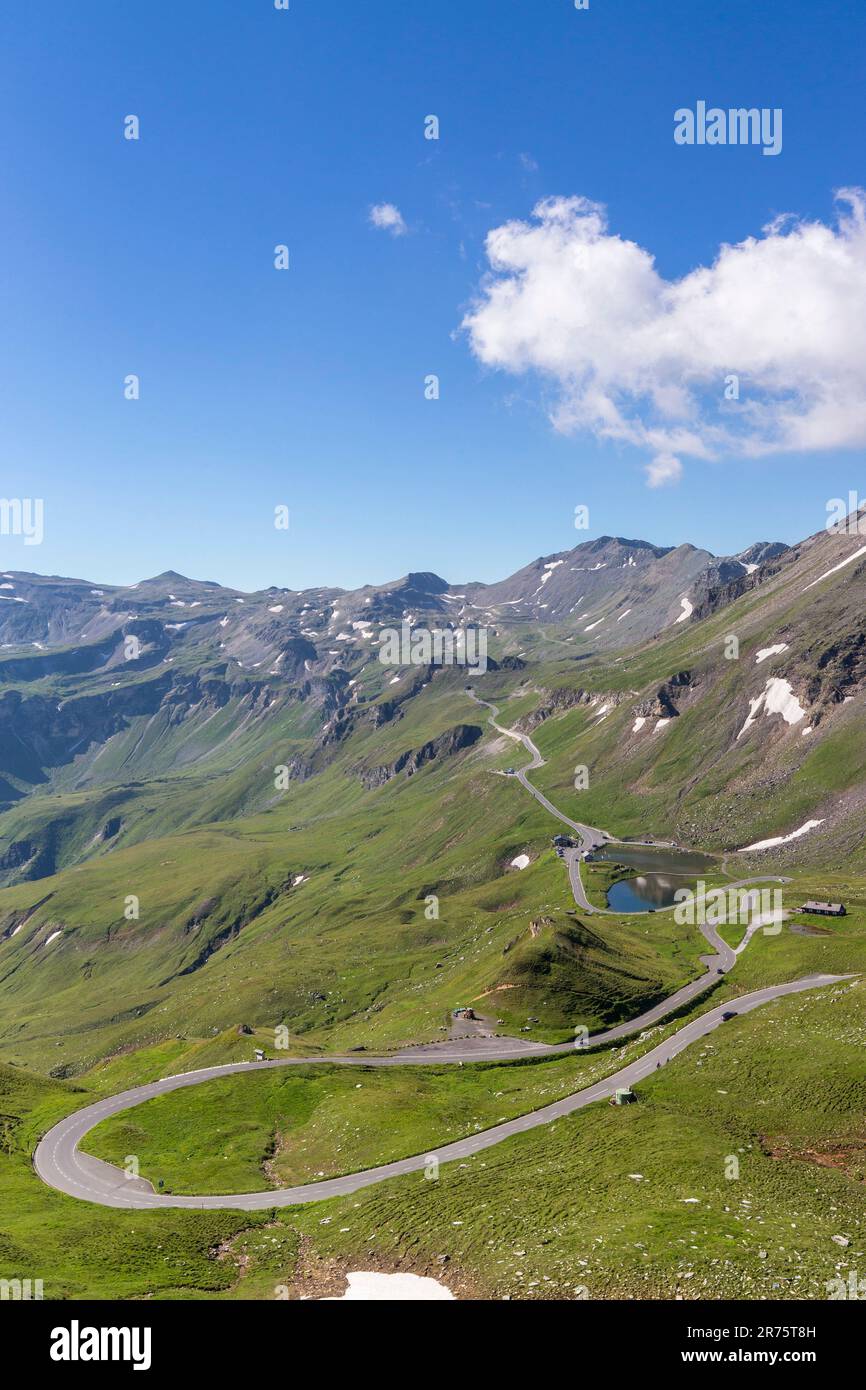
x=782, y=839
x=770, y=651
x=776, y=698
x=841, y=565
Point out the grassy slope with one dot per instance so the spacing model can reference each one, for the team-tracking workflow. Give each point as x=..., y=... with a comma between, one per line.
x=80, y=1251
x=310, y=1122
x=349, y=957
x=557, y=1209
x=538, y=1216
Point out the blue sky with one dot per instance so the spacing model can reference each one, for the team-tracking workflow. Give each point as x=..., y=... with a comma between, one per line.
x=306, y=387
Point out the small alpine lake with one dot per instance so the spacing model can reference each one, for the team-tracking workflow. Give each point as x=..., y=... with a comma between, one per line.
x=664, y=870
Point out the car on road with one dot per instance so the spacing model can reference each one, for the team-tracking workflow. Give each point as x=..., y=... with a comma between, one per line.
x=728, y=1014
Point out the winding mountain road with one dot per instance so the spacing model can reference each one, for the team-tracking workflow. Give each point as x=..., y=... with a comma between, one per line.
x=61, y=1164
x=590, y=836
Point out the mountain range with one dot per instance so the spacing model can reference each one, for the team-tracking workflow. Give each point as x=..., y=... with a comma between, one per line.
x=226, y=758
x=226, y=823
x=608, y=578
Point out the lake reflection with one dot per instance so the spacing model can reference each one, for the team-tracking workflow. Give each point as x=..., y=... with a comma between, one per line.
x=666, y=870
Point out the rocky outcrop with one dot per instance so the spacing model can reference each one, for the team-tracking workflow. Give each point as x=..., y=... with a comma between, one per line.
x=445, y=746
x=566, y=698
x=294, y=654
x=300, y=770
x=664, y=704
x=839, y=669
x=384, y=713
x=727, y=580
x=387, y=710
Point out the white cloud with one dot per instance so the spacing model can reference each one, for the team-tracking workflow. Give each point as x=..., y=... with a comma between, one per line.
x=643, y=360
x=665, y=468
x=388, y=218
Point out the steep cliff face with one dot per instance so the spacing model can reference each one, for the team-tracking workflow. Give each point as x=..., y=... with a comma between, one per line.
x=839, y=669
x=555, y=702
x=668, y=699
x=38, y=732
x=445, y=746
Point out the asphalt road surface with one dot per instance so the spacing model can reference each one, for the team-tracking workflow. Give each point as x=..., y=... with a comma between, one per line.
x=61, y=1164
x=590, y=836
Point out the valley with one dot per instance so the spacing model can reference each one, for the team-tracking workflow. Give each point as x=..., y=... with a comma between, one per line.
x=257, y=834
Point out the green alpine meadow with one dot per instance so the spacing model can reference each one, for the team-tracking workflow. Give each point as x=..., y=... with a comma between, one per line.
x=432, y=682
x=322, y=887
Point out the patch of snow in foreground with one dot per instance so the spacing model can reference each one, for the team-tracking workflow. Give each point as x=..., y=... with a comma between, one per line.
x=521, y=862
x=623, y=615
x=841, y=565
x=638, y=723
x=381, y=1288
x=53, y=937
x=595, y=624
x=776, y=698
x=299, y=878
x=783, y=839
x=277, y=608
x=770, y=651
x=394, y=680
x=16, y=930
x=688, y=610
x=660, y=723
